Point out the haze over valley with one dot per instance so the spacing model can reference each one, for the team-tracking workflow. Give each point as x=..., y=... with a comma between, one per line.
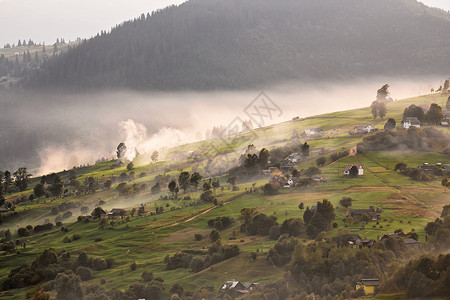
x=224, y=149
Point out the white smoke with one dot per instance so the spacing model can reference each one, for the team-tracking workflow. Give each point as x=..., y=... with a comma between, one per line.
x=54, y=159
x=134, y=134
x=136, y=140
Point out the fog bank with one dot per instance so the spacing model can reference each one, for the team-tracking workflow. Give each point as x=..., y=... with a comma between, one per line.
x=51, y=132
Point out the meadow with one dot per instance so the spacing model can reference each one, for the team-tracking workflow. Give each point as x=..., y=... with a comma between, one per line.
x=147, y=239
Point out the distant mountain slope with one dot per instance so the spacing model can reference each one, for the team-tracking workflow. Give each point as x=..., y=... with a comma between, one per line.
x=211, y=44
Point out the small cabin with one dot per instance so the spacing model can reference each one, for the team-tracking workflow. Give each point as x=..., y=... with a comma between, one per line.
x=368, y=285
x=411, y=122
x=348, y=167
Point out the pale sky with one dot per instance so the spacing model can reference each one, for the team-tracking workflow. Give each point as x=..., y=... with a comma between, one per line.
x=46, y=20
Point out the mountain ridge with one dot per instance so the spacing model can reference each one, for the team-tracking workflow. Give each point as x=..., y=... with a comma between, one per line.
x=207, y=45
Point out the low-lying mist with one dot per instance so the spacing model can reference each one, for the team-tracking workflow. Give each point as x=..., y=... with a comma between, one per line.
x=49, y=132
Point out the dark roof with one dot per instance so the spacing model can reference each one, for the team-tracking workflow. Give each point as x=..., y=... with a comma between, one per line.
x=102, y=212
x=413, y=120
x=367, y=242
x=248, y=284
x=348, y=167
x=391, y=235
x=370, y=282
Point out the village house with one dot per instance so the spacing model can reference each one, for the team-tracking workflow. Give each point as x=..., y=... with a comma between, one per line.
x=358, y=214
x=368, y=285
x=348, y=167
x=294, y=157
x=356, y=242
x=117, y=212
x=364, y=129
x=192, y=154
x=277, y=181
x=411, y=121
x=447, y=114
x=390, y=235
x=314, y=132
x=239, y=288
x=117, y=164
x=275, y=172
x=287, y=165
x=427, y=168
x=102, y=214
x=318, y=178
x=411, y=243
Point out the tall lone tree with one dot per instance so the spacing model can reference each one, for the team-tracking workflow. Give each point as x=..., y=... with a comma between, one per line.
x=383, y=93
x=21, y=178
x=446, y=86
x=155, y=156
x=434, y=114
x=183, y=180
x=121, y=149
x=378, y=108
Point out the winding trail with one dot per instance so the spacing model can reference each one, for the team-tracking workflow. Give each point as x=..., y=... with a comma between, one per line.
x=203, y=212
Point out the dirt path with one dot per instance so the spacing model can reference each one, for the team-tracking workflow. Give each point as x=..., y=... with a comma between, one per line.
x=203, y=212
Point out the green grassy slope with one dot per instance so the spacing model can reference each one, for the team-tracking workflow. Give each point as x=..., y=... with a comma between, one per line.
x=146, y=240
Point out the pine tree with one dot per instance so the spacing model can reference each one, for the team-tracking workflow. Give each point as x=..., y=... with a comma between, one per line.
x=446, y=86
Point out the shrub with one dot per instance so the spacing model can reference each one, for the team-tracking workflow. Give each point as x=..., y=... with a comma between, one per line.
x=274, y=232
x=198, y=237
x=67, y=214
x=321, y=161
x=76, y=237
x=23, y=232
x=133, y=266
x=177, y=289
x=40, y=228
x=207, y=196
x=99, y=264
x=147, y=276
x=292, y=227
x=214, y=235
x=84, y=273
x=270, y=189
x=224, y=222
x=345, y=202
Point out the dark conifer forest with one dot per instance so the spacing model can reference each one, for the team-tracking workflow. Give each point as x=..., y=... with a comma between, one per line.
x=216, y=44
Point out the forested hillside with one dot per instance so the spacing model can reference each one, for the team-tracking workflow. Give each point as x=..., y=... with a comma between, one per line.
x=210, y=44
